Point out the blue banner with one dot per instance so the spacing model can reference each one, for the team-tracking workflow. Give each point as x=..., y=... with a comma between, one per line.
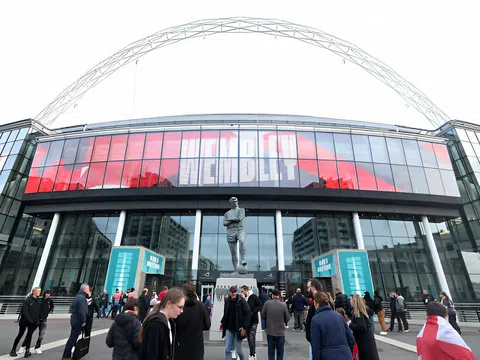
x=153, y=263
x=324, y=266
x=355, y=272
x=122, y=269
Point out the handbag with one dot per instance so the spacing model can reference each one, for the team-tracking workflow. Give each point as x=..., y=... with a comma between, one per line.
x=82, y=347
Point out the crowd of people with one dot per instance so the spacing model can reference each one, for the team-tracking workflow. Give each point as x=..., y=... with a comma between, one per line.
x=170, y=325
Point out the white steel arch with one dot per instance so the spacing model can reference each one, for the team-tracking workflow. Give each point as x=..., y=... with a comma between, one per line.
x=273, y=27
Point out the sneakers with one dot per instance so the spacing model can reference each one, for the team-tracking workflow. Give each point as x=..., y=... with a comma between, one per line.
x=22, y=350
x=252, y=357
x=234, y=354
x=294, y=329
x=383, y=333
x=286, y=327
x=38, y=351
x=406, y=331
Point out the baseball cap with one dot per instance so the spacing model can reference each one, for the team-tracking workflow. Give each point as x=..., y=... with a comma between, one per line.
x=233, y=289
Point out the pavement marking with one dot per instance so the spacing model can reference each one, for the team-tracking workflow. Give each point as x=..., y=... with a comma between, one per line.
x=57, y=343
x=396, y=343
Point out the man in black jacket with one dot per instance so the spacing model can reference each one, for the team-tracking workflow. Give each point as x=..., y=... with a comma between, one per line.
x=255, y=306
x=393, y=310
x=104, y=303
x=78, y=319
x=263, y=298
x=340, y=300
x=313, y=286
x=235, y=322
x=92, y=307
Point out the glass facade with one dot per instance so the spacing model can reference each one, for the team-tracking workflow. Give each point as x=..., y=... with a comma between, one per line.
x=80, y=253
x=169, y=234
x=246, y=158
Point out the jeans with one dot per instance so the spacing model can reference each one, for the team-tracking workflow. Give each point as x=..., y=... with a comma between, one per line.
x=231, y=339
x=402, y=315
x=72, y=340
x=310, y=356
x=264, y=324
x=275, y=342
x=28, y=338
x=104, y=310
x=298, y=316
x=252, y=333
x=42, y=329
x=372, y=322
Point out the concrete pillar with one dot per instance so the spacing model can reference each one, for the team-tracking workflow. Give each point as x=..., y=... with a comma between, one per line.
x=437, y=264
x=358, y=231
x=120, y=227
x=196, y=242
x=46, y=250
x=279, y=228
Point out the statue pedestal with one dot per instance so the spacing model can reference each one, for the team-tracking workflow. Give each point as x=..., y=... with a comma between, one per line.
x=221, y=292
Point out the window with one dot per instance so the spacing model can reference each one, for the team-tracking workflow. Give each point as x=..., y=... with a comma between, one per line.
x=248, y=172
x=383, y=174
x=41, y=154
x=85, y=150
x=171, y=145
x=153, y=146
x=48, y=179
x=361, y=148
x=419, y=181
x=70, y=151
x=209, y=144
x=347, y=175
x=54, y=153
x=308, y=170
x=100, y=150
x=62, y=182
x=325, y=146
x=433, y=177
x=306, y=145
x=366, y=177
x=328, y=174
x=150, y=173
x=190, y=145
x=228, y=172
x=95, y=176
x=248, y=144
x=113, y=175
x=412, y=154
x=118, y=147
x=401, y=178
x=287, y=144
x=379, y=149
x=131, y=174
x=343, y=146
x=229, y=144
x=169, y=173
x=135, y=146
x=443, y=159
x=449, y=183
x=428, y=154
x=79, y=177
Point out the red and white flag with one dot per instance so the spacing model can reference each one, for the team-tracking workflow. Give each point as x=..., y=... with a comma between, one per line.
x=439, y=340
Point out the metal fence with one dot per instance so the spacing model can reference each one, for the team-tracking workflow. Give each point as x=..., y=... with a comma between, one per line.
x=11, y=305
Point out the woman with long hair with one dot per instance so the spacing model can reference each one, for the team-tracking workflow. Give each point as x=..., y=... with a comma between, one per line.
x=190, y=326
x=452, y=314
x=158, y=330
x=29, y=319
x=362, y=331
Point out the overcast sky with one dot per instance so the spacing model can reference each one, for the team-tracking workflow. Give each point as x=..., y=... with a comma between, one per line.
x=47, y=45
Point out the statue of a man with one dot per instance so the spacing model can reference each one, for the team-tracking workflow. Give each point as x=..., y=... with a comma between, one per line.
x=233, y=220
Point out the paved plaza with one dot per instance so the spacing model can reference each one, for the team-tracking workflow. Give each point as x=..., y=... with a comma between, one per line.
x=296, y=346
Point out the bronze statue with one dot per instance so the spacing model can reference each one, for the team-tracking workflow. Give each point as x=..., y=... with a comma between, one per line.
x=233, y=220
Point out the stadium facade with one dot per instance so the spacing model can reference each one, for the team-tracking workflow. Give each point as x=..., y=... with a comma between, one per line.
x=409, y=197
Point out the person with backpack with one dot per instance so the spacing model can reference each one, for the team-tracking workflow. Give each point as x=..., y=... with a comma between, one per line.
x=370, y=304
x=116, y=303
x=452, y=314
x=401, y=310
x=124, y=334
x=361, y=328
x=380, y=311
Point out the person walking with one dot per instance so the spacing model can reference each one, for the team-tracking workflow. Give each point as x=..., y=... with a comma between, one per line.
x=78, y=319
x=263, y=298
x=370, y=304
x=208, y=304
x=158, y=332
x=98, y=301
x=46, y=308
x=299, y=304
x=143, y=305
x=313, y=286
x=116, y=303
x=92, y=307
x=276, y=315
x=361, y=327
x=123, y=299
x=131, y=294
x=438, y=339
x=235, y=322
x=29, y=320
x=190, y=327
x=401, y=310
x=153, y=301
x=427, y=298
x=105, y=302
x=255, y=306
x=452, y=314
x=341, y=300
x=380, y=311
x=331, y=337
x=124, y=334
x=393, y=311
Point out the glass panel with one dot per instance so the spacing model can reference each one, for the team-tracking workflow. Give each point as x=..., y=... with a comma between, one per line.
x=412, y=153
x=150, y=173
x=347, y=175
x=380, y=227
x=113, y=175
x=308, y=170
x=118, y=147
x=135, y=146
x=4, y=137
x=287, y=144
x=171, y=145
x=419, y=181
x=228, y=172
x=22, y=134
x=462, y=135
x=469, y=212
x=384, y=176
x=267, y=144
x=328, y=174
x=471, y=187
x=208, y=172
x=379, y=149
x=467, y=148
x=169, y=173
x=40, y=154
x=209, y=144
x=33, y=181
x=85, y=150
x=95, y=176
x=288, y=172
x=361, y=148
x=471, y=136
x=7, y=148
x=70, y=151
x=428, y=154
x=100, y=150
x=443, y=159
x=474, y=164
x=190, y=145
x=435, y=186
x=79, y=177
x=366, y=177
x=325, y=146
x=48, y=179
x=131, y=174
x=229, y=144
x=54, y=153
x=153, y=146
x=17, y=145
x=13, y=135
x=449, y=183
x=306, y=145
x=343, y=147
x=248, y=172
x=188, y=175
x=62, y=182
x=401, y=178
